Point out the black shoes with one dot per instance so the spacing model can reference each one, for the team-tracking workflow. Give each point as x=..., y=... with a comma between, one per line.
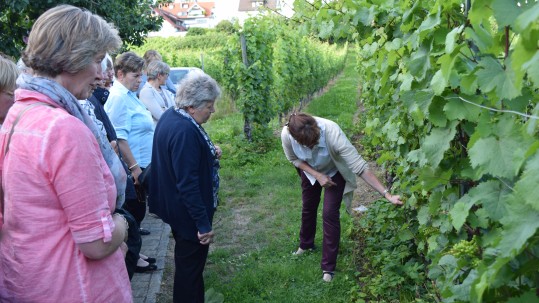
x=144, y=232
x=147, y=268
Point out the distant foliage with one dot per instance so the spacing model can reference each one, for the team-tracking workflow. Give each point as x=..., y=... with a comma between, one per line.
x=225, y=26
x=196, y=31
x=284, y=67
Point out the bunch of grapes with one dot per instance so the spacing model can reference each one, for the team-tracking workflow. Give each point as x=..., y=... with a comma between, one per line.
x=466, y=250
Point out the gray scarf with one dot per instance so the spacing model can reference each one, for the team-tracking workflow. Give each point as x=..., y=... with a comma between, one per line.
x=64, y=99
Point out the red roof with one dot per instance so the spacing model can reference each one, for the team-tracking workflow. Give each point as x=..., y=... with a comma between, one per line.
x=177, y=8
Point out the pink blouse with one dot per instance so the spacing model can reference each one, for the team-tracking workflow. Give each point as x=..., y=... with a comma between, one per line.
x=58, y=192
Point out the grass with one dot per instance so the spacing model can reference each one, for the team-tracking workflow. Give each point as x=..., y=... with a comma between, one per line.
x=257, y=222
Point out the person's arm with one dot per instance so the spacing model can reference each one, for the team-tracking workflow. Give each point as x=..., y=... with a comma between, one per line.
x=187, y=155
x=85, y=195
x=99, y=249
x=339, y=143
x=129, y=159
x=371, y=179
x=324, y=180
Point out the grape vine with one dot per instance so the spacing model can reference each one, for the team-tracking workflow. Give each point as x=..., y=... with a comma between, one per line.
x=451, y=97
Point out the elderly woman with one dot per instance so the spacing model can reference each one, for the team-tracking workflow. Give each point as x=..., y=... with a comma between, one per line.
x=150, y=56
x=325, y=158
x=185, y=179
x=61, y=179
x=154, y=94
x=134, y=130
x=8, y=76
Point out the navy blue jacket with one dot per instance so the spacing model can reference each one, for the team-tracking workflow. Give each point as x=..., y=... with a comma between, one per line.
x=180, y=185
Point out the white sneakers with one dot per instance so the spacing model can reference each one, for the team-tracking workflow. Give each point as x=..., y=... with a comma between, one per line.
x=327, y=276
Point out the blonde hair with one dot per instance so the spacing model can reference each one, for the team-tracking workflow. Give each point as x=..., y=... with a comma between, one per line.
x=8, y=74
x=67, y=39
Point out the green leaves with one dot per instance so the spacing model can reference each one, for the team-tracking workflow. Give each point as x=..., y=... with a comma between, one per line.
x=493, y=76
x=502, y=151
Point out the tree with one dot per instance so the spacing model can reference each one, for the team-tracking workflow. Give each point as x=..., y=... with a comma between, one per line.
x=132, y=18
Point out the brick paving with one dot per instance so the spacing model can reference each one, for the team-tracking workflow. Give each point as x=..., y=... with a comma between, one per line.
x=145, y=286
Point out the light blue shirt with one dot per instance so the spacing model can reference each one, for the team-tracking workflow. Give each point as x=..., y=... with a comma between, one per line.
x=131, y=121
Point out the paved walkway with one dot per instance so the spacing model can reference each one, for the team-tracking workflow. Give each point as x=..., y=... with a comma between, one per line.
x=145, y=286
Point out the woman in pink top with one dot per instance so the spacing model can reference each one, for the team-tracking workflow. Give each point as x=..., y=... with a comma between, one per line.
x=61, y=180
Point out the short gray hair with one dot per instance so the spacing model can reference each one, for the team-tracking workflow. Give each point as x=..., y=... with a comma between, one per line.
x=156, y=68
x=67, y=39
x=196, y=89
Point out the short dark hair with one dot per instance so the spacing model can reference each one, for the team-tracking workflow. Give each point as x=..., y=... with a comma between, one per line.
x=304, y=129
x=128, y=62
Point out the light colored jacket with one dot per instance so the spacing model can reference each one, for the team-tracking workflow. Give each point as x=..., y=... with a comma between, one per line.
x=345, y=156
x=154, y=102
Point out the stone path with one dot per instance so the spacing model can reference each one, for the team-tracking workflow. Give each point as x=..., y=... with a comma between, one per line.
x=145, y=286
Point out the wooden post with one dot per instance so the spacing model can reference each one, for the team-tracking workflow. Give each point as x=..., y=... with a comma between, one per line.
x=202, y=60
x=247, y=128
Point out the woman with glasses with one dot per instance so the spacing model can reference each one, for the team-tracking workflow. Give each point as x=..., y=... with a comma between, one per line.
x=155, y=96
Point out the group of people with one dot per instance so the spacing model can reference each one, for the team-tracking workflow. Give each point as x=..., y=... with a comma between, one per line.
x=78, y=130
x=76, y=135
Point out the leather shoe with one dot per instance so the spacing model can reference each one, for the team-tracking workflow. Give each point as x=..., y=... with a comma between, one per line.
x=144, y=231
x=147, y=268
x=150, y=260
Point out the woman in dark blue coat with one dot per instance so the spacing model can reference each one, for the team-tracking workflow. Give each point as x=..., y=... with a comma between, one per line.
x=184, y=180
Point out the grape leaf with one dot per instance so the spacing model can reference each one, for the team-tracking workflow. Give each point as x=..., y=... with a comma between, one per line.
x=527, y=187
x=437, y=143
x=436, y=114
x=506, y=11
x=530, y=296
x=525, y=19
x=520, y=223
x=419, y=62
x=456, y=109
x=494, y=156
x=450, y=39
x=532, y=68
x=490, y=194
x=492, y=75
x=438, y=83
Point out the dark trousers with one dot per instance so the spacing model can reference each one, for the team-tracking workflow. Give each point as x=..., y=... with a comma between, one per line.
x=134, y=242
x=190, y=259
x=330, y=218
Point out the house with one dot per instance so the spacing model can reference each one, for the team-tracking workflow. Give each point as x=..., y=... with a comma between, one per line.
x=243, y=9
x=180, y=15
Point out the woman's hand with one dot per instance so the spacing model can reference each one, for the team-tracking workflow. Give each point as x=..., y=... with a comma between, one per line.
x=218, y=152
x=205, y=239
x=394, y=199
x=325, y=181
x=136, y=172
